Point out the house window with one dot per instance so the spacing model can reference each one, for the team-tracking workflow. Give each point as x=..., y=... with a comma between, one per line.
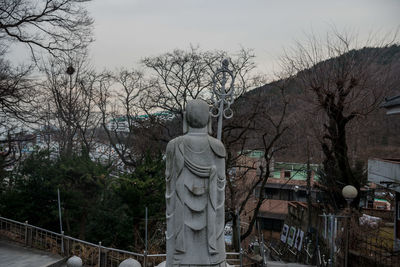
x=271, y=193
x=271, y=224
x=287, y=174
x=301, y=195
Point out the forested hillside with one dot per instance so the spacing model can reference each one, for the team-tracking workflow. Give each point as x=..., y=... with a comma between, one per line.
x=370, y=135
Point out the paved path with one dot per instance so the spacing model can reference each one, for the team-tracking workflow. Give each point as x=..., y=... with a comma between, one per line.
x=12, y=255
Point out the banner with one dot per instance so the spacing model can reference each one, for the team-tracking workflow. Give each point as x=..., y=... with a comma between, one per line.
x=292, y=234
x=285, y=232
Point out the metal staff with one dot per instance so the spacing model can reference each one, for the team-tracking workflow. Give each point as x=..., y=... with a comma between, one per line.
x=222, y=97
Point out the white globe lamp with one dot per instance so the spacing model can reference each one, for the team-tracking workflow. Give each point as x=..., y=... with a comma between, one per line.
x=349, y=193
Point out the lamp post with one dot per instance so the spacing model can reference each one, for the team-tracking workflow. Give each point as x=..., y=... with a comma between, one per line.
x=223, y=96
x=349, y=193
x=69, y=145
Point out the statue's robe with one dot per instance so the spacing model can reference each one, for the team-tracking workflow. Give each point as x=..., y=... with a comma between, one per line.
x=195, y=195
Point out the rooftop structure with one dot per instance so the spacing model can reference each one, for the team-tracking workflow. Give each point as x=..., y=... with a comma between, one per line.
x=392, y=105
x=385, y=172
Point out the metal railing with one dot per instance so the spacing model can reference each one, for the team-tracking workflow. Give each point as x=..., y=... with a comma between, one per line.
x=91, y=254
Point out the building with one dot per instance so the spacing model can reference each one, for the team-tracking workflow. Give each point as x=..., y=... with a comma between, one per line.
x=386, y=172
x=286, y=186
x=122, y=124
x=392, y=105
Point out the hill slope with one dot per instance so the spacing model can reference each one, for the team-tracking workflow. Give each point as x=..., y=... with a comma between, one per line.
x=375, y=135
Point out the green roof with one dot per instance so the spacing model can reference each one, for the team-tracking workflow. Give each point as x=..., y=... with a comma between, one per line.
x=143, y=116
x=298, y=171
x=295, y=166
x=380, y=199
x=253, y=153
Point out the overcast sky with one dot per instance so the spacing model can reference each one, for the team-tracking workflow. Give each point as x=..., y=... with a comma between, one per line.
x=128, y=30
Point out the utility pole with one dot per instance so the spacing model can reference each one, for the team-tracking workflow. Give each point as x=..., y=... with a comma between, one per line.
x=59, y=215
x=145, y=238
x=309, y=202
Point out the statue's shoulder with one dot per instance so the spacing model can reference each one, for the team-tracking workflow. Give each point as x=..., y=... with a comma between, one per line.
x=171, y=144
x=217, y=146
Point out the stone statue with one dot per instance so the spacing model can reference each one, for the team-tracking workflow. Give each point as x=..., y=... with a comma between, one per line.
x=195, y=193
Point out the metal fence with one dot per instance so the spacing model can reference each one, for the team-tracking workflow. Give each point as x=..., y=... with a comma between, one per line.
x=372, y=250
x=94, y=255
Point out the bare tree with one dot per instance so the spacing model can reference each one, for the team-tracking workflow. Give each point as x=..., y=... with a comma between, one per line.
x=71, y=94
x=50, y=25
x=17, y=108
x=257, y=125
x=120, y=99
x=16, y=91
x=342, y=85
x=181, y=75
x=149, y=108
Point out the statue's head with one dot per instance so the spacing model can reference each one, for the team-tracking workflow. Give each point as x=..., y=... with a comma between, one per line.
x=197, y=115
